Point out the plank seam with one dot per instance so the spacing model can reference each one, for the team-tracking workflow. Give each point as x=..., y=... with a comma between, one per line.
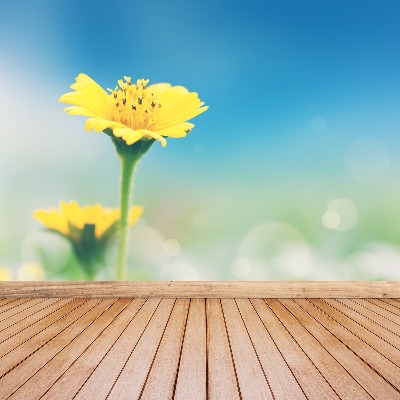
x=180, y=351
x=258, y=358
x=130, y=354
x=28, y=316
x=377, y=323
x=19, y=312
x=388, y=304
x=230, y=349
x=362, y=359
x=298, y=344
x=377, y=313
x=4, y=302
x=391, y=300
x=319, y=341
x=362, y=326
x=385, y=309
x=279, y=350
x=29, y=326
x=55, y=382
x=13, y=306
x=207, y=348
x=12, y=315
x=105, y=355
x=44, y=344
x=155, y=353
x=55, y=355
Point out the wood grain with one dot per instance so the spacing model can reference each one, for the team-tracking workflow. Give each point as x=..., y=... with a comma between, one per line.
x=203, y=289
x=192, y=374
x=199, y=348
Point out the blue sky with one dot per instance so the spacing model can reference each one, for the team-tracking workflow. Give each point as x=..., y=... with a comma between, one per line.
x=304, y=97
x=266, y=68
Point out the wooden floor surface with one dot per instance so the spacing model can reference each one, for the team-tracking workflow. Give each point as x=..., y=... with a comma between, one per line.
x=189, y=349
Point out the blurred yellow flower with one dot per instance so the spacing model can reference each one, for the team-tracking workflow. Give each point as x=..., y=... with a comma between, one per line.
x=89, y=229
x=72, y=218
x=134, y=111
x=5, y=274
x=31, y=272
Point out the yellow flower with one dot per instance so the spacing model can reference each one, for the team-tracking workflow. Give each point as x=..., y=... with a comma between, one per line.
x=134, y=111
x=88, y=228
x=72, y=217
x=5, y=274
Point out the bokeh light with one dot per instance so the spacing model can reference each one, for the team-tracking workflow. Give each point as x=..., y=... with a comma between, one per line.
x=340, y=214
x=5, y=274
x=293, y=172
x=367, y=160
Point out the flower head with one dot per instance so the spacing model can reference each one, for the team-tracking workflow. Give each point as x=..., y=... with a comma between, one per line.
x=88, y=228
x=134, y=111
x=72, y=218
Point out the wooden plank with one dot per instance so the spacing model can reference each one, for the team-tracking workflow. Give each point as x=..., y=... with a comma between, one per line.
x=99, y=384
x=380, y=311
x=222, y=381
x=312, y=382
x=361, y=372
x=29, y=345
x=4, y=315
x=250, y=375
x=192, y=375
x=394, y=301
x=161, y=380
x=3, y=302
x=69, y=383
x=24, y=370
x=368, y=354
x=27, y=323
x=40, y=382
x=21, y=335
x=379, y=326
x=203, y=289
x=282, y=382
x=378, y=343
x=132, y=378
x=12, y=304
x=27, y=312
x=386, y=305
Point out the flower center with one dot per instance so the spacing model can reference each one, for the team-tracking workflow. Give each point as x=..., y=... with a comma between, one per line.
x=134, y=105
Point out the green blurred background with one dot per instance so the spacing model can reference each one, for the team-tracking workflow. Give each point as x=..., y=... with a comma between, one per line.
x=293, y=172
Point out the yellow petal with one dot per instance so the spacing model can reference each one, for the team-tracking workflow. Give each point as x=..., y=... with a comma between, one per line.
x=91, y=214
x=75, y=110
x=73, y=213
x=177, y=131
x=88, y=94
x=106, y=221
x=153, y=135
x=52, y=219
x=134, y=214
x=184, y=108
x=88, y=101
x=129, y=135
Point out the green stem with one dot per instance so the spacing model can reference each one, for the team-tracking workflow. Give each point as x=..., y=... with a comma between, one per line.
x=127, y=168
x=129, y=155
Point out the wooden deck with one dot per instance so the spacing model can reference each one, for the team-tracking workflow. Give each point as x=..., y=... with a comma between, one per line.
x=199, y=347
